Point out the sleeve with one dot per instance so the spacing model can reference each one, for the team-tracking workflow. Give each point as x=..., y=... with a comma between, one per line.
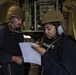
x=4, y=58
x=1, y=37
x=67, y=63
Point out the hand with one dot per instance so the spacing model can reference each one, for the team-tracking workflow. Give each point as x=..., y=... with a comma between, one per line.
x=17, y=59
x=39, y=49
x=38, y=43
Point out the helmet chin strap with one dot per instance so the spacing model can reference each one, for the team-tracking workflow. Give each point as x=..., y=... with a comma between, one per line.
x=11, y=20
x=10, y=23
x=16, y=30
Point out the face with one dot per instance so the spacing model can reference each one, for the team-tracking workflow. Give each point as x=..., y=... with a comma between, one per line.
x=50, y=30
x=16, y=22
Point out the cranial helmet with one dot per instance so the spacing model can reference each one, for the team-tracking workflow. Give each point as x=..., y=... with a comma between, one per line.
x=53, y=16
x=15, y=11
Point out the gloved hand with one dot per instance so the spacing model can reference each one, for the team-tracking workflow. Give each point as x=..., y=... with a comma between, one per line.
x=39, y=49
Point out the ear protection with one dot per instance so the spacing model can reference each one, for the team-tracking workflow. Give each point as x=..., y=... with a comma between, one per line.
x=12, y=20
x=60, y=30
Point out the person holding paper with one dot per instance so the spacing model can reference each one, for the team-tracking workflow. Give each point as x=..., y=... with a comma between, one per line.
x=58, y=49
x=11, y=60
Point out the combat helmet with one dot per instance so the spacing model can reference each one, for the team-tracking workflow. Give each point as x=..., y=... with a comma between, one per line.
x=53, y=16
x=15, y=11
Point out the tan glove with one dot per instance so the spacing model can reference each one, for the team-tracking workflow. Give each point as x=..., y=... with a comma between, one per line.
x=39, y=49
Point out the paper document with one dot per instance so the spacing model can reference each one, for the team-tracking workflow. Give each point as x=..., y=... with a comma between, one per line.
x=29, y=54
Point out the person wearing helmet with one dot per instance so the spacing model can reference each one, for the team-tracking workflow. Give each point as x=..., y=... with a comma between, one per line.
x=10, y=35
x=58, y=49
